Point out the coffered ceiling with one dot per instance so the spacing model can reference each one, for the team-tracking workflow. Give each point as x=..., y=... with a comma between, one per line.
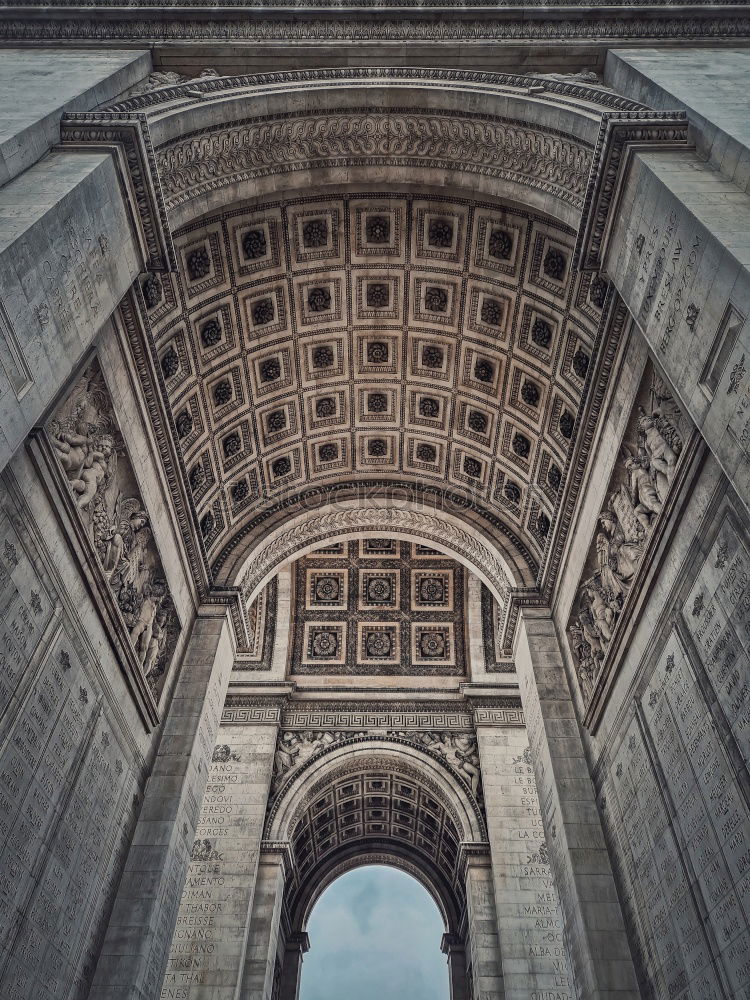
x=378, y=606
x=436, y=343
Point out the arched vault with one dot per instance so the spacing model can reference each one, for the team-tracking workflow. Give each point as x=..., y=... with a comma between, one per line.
x=352, y=308
x=375, y=800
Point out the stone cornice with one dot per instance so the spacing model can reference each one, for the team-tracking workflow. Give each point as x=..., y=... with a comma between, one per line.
x=395, y=21
x=572, y=90
x=620, y=136
x=129, y=139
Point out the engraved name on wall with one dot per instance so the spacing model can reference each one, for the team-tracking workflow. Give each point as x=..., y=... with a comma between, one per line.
x=66, y=790
x=674, y=797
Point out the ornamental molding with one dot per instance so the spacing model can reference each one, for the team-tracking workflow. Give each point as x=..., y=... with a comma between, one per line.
x=615, y=320
x=554, y=164
x=494, y=712
x=406, y=716
x=621, y=135
x=371, y=758
x=397, y=490
x=569, y=89
x=382, y=520
x=128, y=138
x=84, y=22
x=251, y=711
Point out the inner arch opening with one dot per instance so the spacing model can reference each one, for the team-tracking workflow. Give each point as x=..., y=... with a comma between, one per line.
x=374, y=932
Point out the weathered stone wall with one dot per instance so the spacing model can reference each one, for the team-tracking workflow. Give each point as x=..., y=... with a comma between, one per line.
x=672, y=768
x=75, y=750
x=208, y=947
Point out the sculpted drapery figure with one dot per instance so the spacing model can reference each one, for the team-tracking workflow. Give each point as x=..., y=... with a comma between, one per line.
x=458, y=750
x=643, y=477
x=86, y=440
x=294, y=749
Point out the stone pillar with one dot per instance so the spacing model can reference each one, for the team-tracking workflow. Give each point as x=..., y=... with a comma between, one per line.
x=297, y=945
x=260, y=980
x=529, y=921
x=134, y=953
x=676, y=256
x=594, y=928
x=208, y=947
x=67, y=258
x=283, y=630
x=482, y=937
x=454, y=948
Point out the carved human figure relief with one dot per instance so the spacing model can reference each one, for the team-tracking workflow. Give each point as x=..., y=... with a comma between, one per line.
x=458, y=750
x=294, y=749
x=639, y=488
x=86, y=440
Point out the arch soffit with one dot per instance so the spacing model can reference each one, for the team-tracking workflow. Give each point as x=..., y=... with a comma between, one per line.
x=498, y=567
x=376, y=753
x=248, y=134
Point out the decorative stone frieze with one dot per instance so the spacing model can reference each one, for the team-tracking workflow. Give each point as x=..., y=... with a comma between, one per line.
x=638, y=490
x=90, y=451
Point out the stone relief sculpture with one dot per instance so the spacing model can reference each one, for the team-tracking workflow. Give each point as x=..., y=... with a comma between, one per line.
x=168, y=78
x=294, y=749
x=638, y=491
x=458, y=750
x=86, y=440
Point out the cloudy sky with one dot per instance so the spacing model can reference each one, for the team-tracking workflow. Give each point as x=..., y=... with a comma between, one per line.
x=375, y=933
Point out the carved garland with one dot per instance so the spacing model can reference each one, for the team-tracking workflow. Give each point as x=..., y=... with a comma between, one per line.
x=382, y=520
x=554, y=164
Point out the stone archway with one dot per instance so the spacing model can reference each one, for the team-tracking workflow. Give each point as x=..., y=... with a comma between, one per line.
x=372, y=800
x=260, y=311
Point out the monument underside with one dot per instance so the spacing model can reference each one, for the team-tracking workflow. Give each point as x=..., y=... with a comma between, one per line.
x=374, y=490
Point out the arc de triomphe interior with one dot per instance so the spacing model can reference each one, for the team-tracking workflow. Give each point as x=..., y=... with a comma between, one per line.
x=375, y=450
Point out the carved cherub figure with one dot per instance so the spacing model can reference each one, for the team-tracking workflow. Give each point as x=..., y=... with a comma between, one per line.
x=156, y=644
x=86, y=460
x=71, y=448
x=467, y=759
x=602, y=613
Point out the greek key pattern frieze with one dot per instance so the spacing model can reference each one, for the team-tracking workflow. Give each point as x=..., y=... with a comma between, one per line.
x=300, y=718
x=499, y=717
x=251, y=715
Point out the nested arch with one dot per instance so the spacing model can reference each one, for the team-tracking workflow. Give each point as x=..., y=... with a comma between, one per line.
x=427, y=335
x=295, y=537
x=375, y=800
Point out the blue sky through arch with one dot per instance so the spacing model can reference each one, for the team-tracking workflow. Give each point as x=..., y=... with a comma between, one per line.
x=374, y=934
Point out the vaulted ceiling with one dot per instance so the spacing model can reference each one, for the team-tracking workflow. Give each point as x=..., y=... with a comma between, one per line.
x=438, y=343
